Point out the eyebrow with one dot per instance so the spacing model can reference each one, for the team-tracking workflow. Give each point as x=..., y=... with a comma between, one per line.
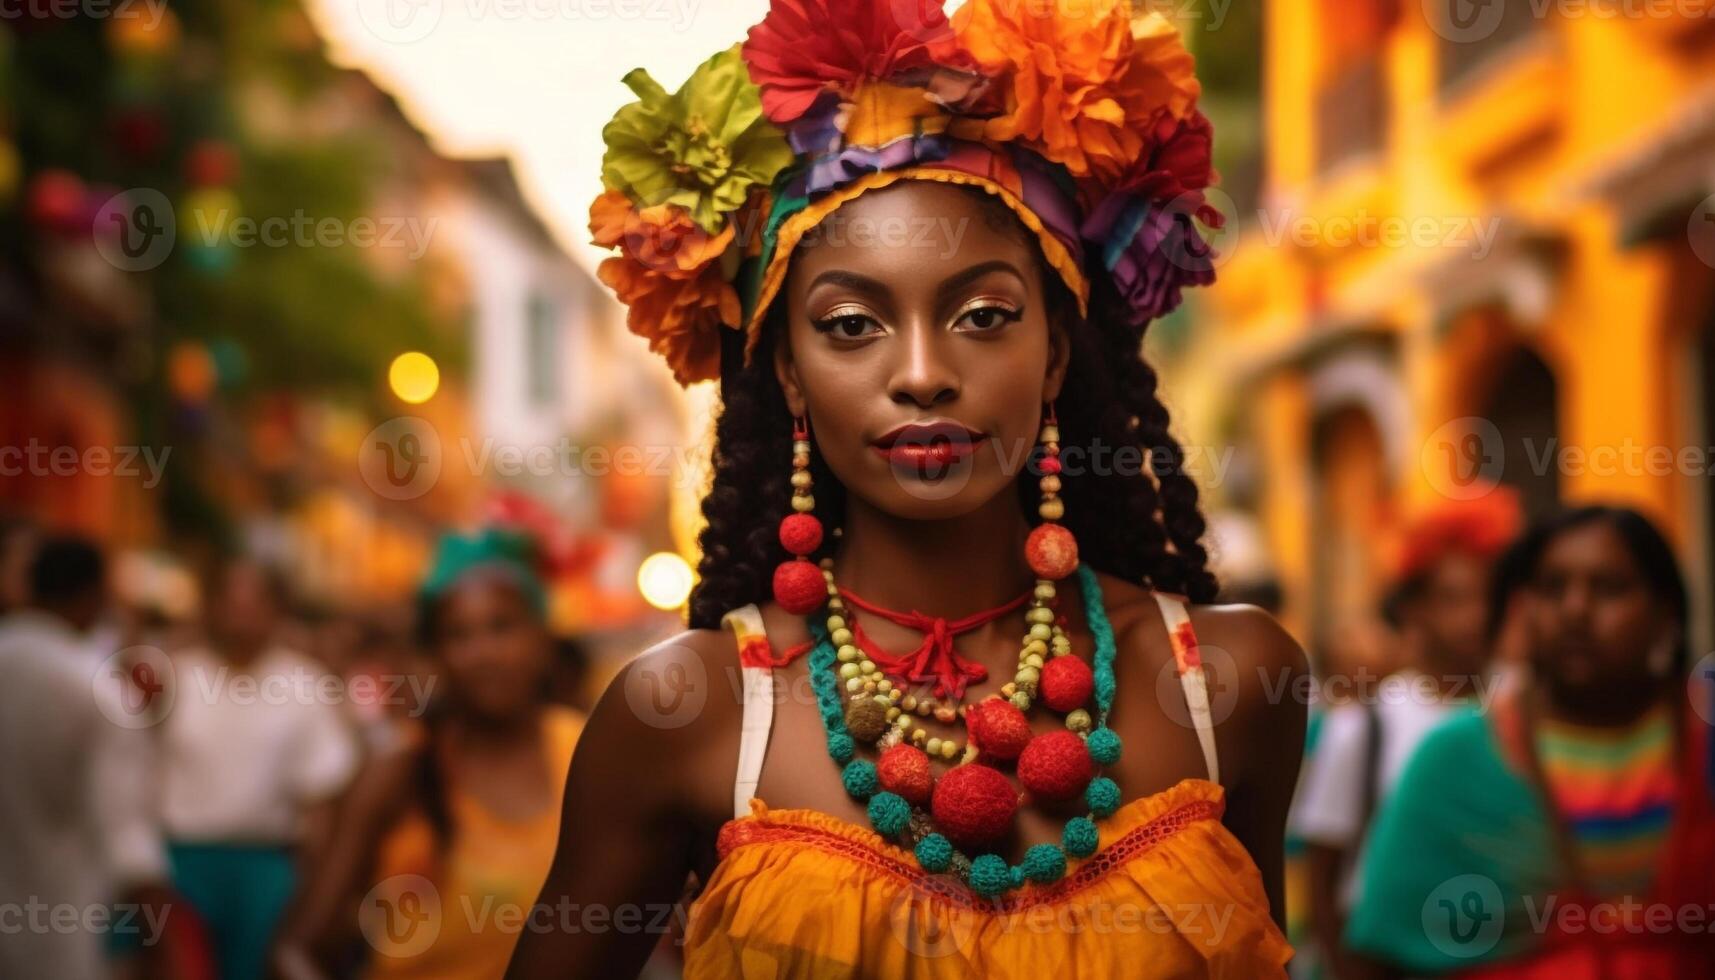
x=952, y=284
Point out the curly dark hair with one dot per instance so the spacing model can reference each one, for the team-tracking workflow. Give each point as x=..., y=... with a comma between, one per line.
x=1141, y=524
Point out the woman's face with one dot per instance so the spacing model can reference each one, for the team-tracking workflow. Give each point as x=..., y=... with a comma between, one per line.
x=1593, y=620
x=919, y=347
x=492, y=645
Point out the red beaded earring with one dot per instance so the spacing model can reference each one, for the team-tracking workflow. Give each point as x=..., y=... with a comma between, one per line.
x=798, y=583
x=1051, y=550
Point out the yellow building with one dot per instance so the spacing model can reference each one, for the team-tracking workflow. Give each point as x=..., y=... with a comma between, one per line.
x=1484, y=248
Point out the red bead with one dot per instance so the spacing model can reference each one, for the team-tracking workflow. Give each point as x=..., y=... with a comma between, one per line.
x=974, y=805
x=799, y=587
x=998, y=729
x=1049, y=464
x=904, y=769
x=1055, y=766
x=1066, y=683
x=1051, y=551
x=801, y=534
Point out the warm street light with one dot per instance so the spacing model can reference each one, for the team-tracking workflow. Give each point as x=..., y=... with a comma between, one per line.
x=414, y=377
x=665, y=580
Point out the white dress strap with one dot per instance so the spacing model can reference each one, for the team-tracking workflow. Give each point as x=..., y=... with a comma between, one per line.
x=1191, y=675
x=746, y=624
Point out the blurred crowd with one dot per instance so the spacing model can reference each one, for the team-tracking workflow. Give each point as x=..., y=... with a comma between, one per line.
x=1508, y=772
x=262, y=789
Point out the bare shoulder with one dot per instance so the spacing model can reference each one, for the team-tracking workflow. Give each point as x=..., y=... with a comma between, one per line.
x=1249, y=654
x=667, y=714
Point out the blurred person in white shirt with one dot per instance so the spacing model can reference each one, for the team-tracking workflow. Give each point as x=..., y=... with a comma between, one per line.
x=255, y=750
x=1440, y=606
x=82, y=869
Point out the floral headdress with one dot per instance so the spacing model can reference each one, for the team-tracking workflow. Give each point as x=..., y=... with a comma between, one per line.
x=1080, y=118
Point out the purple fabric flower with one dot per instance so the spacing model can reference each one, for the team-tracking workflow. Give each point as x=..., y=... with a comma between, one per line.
x=1153, y=250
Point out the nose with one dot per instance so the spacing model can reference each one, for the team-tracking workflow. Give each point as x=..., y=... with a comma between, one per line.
x=922, y=374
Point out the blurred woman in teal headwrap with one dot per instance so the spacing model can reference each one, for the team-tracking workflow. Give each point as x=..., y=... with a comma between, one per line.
x=463, y=819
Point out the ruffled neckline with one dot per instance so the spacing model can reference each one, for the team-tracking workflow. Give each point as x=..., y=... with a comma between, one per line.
x=1135, y=827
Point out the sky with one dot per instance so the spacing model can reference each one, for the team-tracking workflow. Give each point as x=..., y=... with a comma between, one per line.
x=534, y=80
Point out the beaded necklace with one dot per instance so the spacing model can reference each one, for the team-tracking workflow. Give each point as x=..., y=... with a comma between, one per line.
x=892, y=816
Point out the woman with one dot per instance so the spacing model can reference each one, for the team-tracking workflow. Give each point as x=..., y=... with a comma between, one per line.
x=925, y=300
x=1567, y=832
x=451, y=834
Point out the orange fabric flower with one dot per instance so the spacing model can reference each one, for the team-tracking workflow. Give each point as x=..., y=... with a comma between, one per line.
x=1081, y=84
x=669, y=276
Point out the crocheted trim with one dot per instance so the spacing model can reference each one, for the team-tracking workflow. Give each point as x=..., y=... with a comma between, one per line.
x=795, y=227
x=761, y=828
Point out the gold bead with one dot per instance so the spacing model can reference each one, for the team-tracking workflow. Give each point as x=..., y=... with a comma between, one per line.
x=1036, y=647
x=854, y=685
x=1040, y=631
x=1051, y=509
x=848, y=671
x=892, y=713
x=1078, y=720
x=867, y=666
x=925, y=707
x=1050, y=433
x=933, y=747
x=949, y=749
x=1028, y=676
x=910, y=702
x=918, y=737
x=869, y=686
x=1040, y=614
x=800, y=446
x=894, y=694
x=840, y=636
x=1044, y=589
x=969, y=755
x=801, y=478
x=1021, y=701
x=946, y=714
x=1050, y=484
x=1033, y=660
x=836, y=623
x=884, y=685
x=850, y=654
x=1007, y=689
x=805, y=503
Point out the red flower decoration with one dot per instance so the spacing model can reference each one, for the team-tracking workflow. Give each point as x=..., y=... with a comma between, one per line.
x=806, y=47
x=1175, y=160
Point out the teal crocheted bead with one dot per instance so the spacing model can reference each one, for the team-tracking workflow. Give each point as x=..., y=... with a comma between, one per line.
x=1104, y=746
x=1015, y=875
x=990, y=875
x=860, y=779
x=1079, y=839
x=934, y=853
x=1103, y=796
x=1044, y=863
x=889, y=812
x=840, y=746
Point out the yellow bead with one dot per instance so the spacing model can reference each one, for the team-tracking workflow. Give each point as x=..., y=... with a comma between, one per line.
x=946, y=714
x=1051, y=509
x=836, y=623
x=1021, y=701
x=841, y=636
x=1044, y=589
x=800, y=445
x=1041, y=614
x=910, y=702
x=854, y=685
x=801, y=479
x=884, y=685
x=1040, y=631
x=1078, y=720
x=1033, y=660
x=918, y=737
x=804, y=504
x=849, y=654
x=1027, y=676
x=892, y=713
x=1049, y=484
x=949, y=749
x=1036, y=647
x=895, y=694
x=934, y=746
x=869, y=687
x=867, y=666
x=925, y=708
x=848, y=671
x=1007, y=689
x=1050, y=433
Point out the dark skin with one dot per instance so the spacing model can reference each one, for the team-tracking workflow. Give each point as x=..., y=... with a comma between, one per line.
x=1592, y=621
x=882, y=336
x=494, y=656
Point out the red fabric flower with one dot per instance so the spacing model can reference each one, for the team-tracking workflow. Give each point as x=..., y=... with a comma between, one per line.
x=806, y=47
x=1175, y=160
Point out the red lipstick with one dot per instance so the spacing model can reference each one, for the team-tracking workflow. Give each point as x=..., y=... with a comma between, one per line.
x=929, y=448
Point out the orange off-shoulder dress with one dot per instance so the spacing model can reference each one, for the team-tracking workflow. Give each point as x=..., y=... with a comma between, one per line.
x=1169, y=892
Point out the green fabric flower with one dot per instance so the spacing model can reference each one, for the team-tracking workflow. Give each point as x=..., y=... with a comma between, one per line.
x=702, y=148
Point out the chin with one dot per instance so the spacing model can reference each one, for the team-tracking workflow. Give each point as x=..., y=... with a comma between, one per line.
x=950, y=497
